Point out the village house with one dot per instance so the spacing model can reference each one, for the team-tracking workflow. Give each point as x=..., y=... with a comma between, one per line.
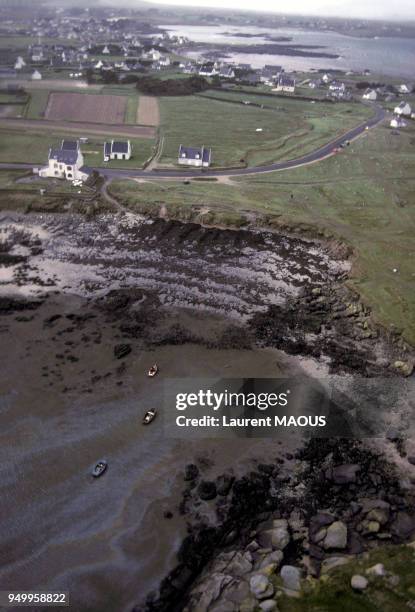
x=227, y=72
x=315, y=84
x=404, y=88
x=37, y=53
x=36, y=76
x=337, y=86
x=208, y=70
x=397, y=122
x=117, y=149
x=403, y=108
x=20, y=63
x=285, y=84
x=269, y=73
x=189, y=68
x=194, y=156
x=65, y=162
x=370, y=94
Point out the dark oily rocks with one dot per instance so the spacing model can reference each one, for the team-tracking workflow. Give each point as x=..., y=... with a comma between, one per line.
x=122, y=350
x=206, y=490
x=224, y=484
x=343, y=474
x=403, y=526
x=191, y=471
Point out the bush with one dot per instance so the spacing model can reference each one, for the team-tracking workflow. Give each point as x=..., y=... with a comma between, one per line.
x=172, y=87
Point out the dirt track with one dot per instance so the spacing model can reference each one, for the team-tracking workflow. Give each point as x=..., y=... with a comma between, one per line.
x=148, y=112
x=79, y=128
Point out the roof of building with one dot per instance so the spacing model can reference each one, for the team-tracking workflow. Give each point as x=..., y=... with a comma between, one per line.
x=63, y=156
x=119, y=146
x=70, y=145
x=286, y=81
x=203, y=153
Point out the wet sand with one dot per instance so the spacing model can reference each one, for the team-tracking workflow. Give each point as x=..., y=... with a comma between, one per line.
x=66, y=401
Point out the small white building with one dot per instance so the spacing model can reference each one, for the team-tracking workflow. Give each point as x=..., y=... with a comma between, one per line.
x=397, y=122
x=65, y=162
x=404, y=108
x=36, y=76
x=164, y=61
x=117, y=149
x=404, y=88
x=37, y=53
x=105, y=50
x=194, y=156
x=285, y=84
x=370, y=94
x=20, y=63
x=208, y=70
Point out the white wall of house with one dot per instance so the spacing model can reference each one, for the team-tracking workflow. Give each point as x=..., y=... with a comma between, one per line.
x=70, y=172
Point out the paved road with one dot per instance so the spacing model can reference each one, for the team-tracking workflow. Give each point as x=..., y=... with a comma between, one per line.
x=314, y=156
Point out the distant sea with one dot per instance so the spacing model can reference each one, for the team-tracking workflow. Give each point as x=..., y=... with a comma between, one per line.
x=382, y=56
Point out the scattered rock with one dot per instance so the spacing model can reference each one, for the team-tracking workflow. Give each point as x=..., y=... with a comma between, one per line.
x=336, y=536
x=260, y=586
x=404, y=367
x=332, y=562
x=206, y=490
x=191, y=471
x=359, y=583
x=224, y=484
x=122, y=350
x=268, y=605
x=344, y=474
x=291, y=577
x=376, y=570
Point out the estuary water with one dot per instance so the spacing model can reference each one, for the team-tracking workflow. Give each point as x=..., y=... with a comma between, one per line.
x=383, y=56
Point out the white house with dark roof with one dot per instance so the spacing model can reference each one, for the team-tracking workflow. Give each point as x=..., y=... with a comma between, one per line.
x=285, y=84
x=117, y=149
x=404, y=108
x=65, y=162
x=195, y=156
x=397, y=122
x=370, y=94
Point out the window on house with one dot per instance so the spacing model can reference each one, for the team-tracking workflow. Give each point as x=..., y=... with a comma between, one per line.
x=55, y=165
x=69, y=168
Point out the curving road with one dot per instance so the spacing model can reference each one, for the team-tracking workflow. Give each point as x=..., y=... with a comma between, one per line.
x=316, y=155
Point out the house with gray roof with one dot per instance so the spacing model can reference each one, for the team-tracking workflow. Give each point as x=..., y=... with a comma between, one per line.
x=195, y=156
x=117, y=149
x=65, y=162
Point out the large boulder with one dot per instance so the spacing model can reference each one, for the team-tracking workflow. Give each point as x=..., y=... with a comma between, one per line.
x=344, y=474
x=359, y=583
x=403, y=526
x=206, y=490
x=336, y=536
x=191, y=471
x=291, y=577
x=260, y=586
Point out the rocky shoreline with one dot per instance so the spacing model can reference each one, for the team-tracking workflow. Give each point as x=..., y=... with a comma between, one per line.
x=255, y=539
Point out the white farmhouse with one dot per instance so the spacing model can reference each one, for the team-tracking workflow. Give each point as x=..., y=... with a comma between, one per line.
x=65, y=162
x=36, y=76
x=194, y=156
x=20, y=63
x=370, y=94
x=397, y=122
x=404, y=88
x=117, y=149
x=285, y=84
x=404, y=109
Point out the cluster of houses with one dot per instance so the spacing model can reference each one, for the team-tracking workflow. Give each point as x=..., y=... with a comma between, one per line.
x=401, y=112
x=274, y=76
x=67, y=161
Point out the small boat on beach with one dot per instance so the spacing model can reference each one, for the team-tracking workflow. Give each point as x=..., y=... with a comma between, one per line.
x=153, y=370
x=149, y=416
x=99, y=469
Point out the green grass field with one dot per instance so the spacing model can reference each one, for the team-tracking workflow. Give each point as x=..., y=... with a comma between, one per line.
x=291, y=128
x=363, y=195
x=18, y=147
